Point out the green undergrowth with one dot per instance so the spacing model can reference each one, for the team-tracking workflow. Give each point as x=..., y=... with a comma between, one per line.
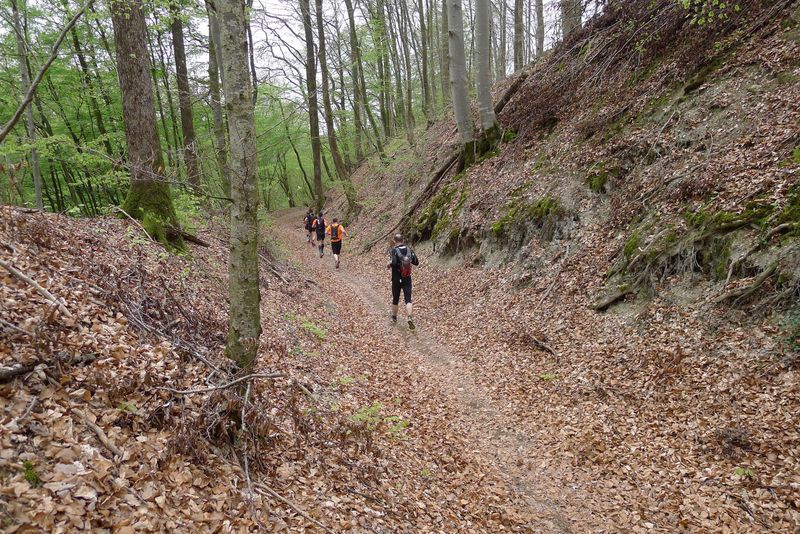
x=599, y=176
x=438, y=215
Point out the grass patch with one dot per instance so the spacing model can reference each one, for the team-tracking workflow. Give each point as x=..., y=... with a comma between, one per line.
x=30, y=474
x=313, y=329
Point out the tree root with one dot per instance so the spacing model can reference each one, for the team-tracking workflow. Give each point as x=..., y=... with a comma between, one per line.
x=741, y=293
x=611, y=299
x=781, y=228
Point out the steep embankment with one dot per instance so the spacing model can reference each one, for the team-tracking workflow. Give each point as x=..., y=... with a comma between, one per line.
x=622, y=274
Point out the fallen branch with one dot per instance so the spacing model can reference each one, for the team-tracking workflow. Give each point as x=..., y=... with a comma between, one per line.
x=99, y=433
x=134, y=221
x=11, y=327
x=270, y=376
x=426, y=194
x=273, y=270
x=191, y=238
x=293, y=506
x=39, y=289
x=606, y=302
x=7, y=374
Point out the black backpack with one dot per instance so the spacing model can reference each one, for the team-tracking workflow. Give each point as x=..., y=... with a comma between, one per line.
x=335, y=231
x=320, y=226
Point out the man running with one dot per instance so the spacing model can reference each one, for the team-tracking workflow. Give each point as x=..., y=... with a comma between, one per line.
x=336, y=231
x=320, y=225
x=308, y=222
x=401, y=258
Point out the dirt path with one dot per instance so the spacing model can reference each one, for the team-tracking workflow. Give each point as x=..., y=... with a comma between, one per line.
x=489, y=432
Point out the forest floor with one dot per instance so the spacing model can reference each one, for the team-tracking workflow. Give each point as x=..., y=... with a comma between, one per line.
x=439, y=381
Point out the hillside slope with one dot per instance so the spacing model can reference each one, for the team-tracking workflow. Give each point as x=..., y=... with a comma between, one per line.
x=622, y=273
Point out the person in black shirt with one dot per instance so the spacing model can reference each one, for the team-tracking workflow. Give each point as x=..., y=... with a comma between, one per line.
x=401, y=260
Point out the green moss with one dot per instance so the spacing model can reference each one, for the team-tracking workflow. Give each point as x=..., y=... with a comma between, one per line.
x=519, y=212
x=509, y=136
x=599, y=177
x=632, y=244
x=723, y=221
x=796, y=155
x=30, y=474
x=151, y=203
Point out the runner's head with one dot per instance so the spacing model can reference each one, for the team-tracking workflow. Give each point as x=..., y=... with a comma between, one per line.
x=335, y=220
x=398, y=239
x=320, y=214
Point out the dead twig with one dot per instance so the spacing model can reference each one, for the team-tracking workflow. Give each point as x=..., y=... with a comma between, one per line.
x=39, y=289
x=269, y=376
x=293, y=506
x=134, y=221
x=99, y=433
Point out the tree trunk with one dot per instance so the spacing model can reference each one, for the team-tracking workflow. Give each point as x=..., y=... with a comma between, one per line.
x=341, y=170
x=184, y=100
x=458, y=71
x=220, y=141
x=244, y=324
x=483, y=52
x=313, y=107
x=519, y=35
x=570, y=16
x=444, y=54
x=25, y=84
x=539, y=27
x=426, y=86
x=149, y=196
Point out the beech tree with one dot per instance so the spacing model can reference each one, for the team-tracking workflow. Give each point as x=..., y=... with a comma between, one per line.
x=149, y=198
x=184, y=99
x=25, y=85
x=313, y=106
x=483, y=53
x=458, y=71
x=244, y=323
x=519, y=34
x=571, y=13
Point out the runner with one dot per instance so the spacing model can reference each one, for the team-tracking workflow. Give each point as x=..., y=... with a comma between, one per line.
x=401, y=258
x=319, y=225
x=308, y=223
x=337, y=232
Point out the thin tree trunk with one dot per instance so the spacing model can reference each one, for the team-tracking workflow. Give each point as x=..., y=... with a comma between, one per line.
x=184, y=100
x=570, y=16
x=341, y=170
x=313, y=107
x=426, y=86
x=220, y=141
x=458, y=71
x=25, y=85
x=539, y=27
x=483, y=51
x=444, y=54
x=149, y=196
x=244, y=324
x=519, y=34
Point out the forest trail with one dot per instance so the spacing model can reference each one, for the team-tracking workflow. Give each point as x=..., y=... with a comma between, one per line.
x=489, y=431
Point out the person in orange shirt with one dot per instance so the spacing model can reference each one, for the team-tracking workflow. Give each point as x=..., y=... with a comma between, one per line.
x=337, y=233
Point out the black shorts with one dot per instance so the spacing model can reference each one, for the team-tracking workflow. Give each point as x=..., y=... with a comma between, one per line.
x=336, y=247
x=321, y=237
x=397, y=285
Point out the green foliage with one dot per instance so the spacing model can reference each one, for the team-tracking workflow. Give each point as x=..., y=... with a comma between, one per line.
x=125, y=406
x=370, y=416
x=547, y=377
x=704, y=12
x=313, y=329
x=745, y=472
x=30, y=473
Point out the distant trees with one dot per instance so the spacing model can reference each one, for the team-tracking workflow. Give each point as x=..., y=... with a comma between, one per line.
x=337, y=81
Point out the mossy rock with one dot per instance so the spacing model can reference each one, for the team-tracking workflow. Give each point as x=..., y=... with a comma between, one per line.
x=521, y=217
